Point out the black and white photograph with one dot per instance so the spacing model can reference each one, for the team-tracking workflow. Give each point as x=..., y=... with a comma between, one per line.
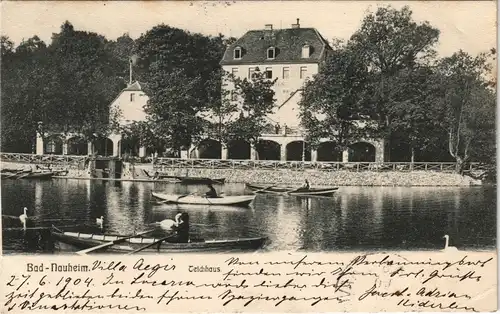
x=179, y=127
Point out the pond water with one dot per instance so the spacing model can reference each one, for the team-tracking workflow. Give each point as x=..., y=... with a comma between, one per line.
x=356, y=218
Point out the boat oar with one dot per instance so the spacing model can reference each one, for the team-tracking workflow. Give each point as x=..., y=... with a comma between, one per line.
x=15, y=174
x=158, y=242
x=23, y=175
x=104, y=245
x=264, y=189
x=185, y=195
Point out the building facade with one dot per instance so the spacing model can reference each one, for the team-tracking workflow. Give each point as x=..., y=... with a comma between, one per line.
x=291, y=56
x=129, y=104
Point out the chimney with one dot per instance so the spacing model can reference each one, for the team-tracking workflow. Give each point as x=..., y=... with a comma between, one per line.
x=268, y=27
x=296, y=25
x=130, y=72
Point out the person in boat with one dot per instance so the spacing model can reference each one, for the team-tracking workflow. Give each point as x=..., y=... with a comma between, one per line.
x=212, y=193
x=181, y=229
x=306, y=185
x=156, y=176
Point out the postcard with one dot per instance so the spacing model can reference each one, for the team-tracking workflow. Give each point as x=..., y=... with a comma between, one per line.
x=248, y=156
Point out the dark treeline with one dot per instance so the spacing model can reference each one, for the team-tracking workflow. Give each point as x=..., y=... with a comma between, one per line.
x=385, y=82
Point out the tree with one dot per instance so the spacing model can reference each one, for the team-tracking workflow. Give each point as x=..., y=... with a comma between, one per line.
x=255, y=98
x=86, y=82
x=468, y=104
x=414, y=115
x=178, y=70
x=25, y=72
x=390, y=41
x=331, y=105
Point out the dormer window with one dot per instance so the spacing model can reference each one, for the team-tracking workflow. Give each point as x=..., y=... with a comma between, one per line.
x=271, y=53
x=306, y=51
x=237, y=53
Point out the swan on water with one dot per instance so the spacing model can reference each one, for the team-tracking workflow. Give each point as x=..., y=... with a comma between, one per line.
x=23, y=217
x=168, y=224
x=448, y=248
x=100, y=221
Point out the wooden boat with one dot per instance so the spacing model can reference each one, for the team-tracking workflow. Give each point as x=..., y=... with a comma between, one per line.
x=83, y=241
x=38, y=175
x=200, y=180
x=27, y=174
x=235, y=200
x=184, y=180
x=13, y=174
x=284, y=190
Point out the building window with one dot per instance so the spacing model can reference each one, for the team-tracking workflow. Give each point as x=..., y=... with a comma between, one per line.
x=234, y=96
x=271, y=53
x=51, y=147
x=132, y=97
x=303, y=72
x=237, y=53
x=234, y=72
x=286, y=73
x=306, y=51
x=251, y=73
x=269, y=73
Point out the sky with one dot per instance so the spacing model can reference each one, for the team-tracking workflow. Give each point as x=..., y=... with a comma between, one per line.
x=466, y=25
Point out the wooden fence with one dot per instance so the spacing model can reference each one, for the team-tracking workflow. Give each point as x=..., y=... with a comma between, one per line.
x=160, y=164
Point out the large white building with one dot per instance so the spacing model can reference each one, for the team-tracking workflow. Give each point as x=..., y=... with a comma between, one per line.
x=292, y=56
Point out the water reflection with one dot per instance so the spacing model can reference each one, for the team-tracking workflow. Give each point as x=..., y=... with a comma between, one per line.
x=354, y=219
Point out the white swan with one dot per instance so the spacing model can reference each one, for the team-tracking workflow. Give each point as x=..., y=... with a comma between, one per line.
x=100, y=221
x=23, y=217
x=448, y=248
x=168, y=224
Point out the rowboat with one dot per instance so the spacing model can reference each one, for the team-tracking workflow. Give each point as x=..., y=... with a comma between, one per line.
x=284, y=190
x=200, y=180
x=235, y=200
x=27, y=175
x=77, y=240
x=38, y=175
x=184, y=180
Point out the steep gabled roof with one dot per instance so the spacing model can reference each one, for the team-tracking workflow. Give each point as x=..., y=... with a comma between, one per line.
x=288, y=44
x=136, y=87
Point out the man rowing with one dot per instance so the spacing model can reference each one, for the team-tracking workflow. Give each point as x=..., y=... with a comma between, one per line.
x=212, y=193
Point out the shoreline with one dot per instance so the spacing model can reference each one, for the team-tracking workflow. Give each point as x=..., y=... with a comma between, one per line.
x=242, y=182
x=319, y=178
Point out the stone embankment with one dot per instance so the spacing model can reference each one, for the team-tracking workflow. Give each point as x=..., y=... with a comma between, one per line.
x=291, y=177
x=337, y=178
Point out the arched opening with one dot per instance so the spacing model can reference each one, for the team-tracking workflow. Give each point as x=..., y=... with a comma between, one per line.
x=103, y=146
x=297, y=151
x=238, y=149
x=53, y=145
x=327, y=152
x=361, y=152
x=129, y=147
x=209, y=149
x=268, y=150
x=77, y=145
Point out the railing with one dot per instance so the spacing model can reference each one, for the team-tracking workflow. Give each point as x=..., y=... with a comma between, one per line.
x=60, y=160
x=162, y=163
